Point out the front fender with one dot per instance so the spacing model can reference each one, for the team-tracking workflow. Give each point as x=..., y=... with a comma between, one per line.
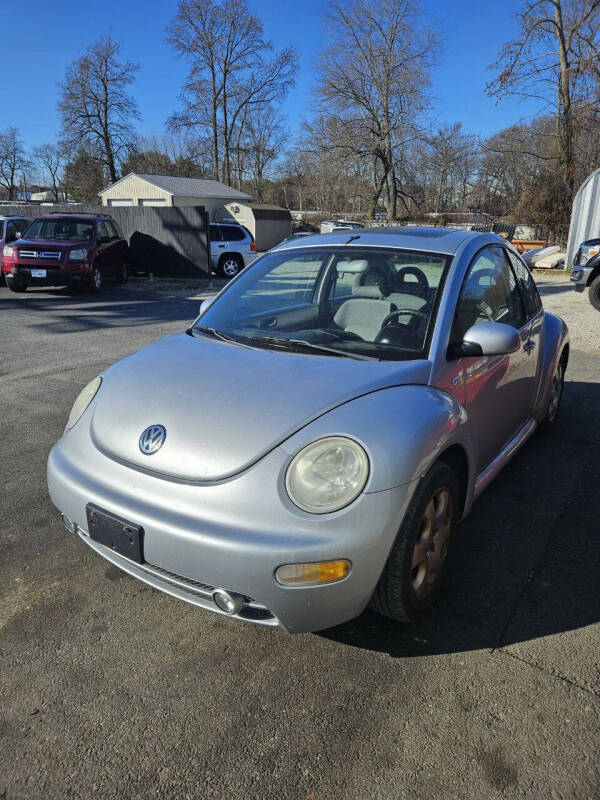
x=403, y=429
x=554, y=338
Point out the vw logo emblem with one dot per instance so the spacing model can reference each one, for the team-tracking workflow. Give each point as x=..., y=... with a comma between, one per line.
x=152, y=439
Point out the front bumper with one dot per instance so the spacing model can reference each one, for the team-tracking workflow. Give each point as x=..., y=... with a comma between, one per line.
x=54, y=276
x=232, y=535
x=580, y=276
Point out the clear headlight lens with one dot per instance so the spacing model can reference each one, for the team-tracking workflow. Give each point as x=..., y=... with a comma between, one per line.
x=327, y=475
x=78, y=255
x=84, y=398
x=7, y=251
x=587, y=253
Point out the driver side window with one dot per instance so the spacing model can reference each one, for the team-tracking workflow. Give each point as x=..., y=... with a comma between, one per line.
x=489, y=292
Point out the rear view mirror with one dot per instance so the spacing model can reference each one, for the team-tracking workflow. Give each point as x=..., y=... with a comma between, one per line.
x=205, y=304
x=490, y=339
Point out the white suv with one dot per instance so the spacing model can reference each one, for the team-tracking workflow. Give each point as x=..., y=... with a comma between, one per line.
x=231, y=248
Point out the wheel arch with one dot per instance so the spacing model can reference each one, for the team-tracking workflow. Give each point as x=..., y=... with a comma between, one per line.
x=457, y=459
x=554, y=344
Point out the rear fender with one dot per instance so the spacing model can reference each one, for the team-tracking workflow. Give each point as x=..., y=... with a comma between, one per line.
x=404, y=429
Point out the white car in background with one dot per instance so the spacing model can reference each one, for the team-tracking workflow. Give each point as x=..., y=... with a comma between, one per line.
x=232, y=248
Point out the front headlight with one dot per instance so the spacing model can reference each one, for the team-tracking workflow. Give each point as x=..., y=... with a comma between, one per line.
x=78, y=255
x=8, y=251
x=84, y=398
x=327, y=475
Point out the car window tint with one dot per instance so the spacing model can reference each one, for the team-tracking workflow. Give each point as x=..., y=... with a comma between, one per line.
x=110, y=228
x=22, y=224
x=232, y=234
x=11, y=231
x=343, y=285
x=489, y=292
x=533, y=301
x=215, y=234
x=103, y=232
x=116, y=229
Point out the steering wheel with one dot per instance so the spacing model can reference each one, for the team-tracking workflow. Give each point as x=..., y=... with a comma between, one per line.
x=400, y=311
x=422, y=287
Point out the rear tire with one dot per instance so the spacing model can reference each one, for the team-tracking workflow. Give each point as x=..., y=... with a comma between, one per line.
x=230, y=265
x=14, y=286
x=122, y=275
x=594, y=293
x=556, y=393
x=412, y=577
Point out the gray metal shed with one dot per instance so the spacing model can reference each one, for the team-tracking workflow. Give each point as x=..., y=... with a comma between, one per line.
x=585, y=217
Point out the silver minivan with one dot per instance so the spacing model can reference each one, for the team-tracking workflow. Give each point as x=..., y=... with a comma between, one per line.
x=231, y=248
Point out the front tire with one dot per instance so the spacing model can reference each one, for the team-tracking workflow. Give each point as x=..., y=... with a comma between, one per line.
x=95, y=283
x=14, y=286
x=595, y=293
x=230, y=265
x=412, y=577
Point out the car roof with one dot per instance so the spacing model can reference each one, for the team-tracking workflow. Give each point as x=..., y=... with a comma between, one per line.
x=13, y=216
x=73, y=215
x=437, y=240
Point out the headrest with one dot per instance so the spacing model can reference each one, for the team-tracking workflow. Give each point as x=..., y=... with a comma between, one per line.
x=367, y=291
x=353, y=267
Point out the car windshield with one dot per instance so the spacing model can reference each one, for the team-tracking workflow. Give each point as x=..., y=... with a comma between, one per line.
x=61, y=228
x=354, y=302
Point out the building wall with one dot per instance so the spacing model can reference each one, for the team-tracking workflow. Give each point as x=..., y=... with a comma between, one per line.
x=134, y=188
x=211, y=204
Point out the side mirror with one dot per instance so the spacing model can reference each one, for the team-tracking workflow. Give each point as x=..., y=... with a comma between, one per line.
x=205, y=304
x=490, y=339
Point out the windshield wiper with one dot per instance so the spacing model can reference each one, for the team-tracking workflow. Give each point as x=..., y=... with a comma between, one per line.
x=294, y=344
x=217, y=335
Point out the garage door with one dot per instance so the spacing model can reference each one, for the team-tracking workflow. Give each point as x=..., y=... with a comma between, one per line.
x=158, y=202
x=118, y=203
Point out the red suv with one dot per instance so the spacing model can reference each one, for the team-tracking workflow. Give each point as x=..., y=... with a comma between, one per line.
x=66, y=250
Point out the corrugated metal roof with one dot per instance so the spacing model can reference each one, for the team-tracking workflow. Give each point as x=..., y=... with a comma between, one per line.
x=187, y=187
x=585, y=217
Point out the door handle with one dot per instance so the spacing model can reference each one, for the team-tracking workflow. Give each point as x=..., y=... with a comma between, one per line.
x=528, y=346
x=221, y=245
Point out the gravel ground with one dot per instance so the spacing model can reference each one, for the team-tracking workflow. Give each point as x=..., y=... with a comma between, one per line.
x=110, y=689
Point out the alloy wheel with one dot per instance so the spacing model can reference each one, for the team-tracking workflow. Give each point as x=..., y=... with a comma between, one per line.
x=556, y=388
x=431, y=546
x=231, y=268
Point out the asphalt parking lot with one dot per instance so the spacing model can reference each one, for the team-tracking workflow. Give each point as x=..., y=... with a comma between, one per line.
x=110, y=689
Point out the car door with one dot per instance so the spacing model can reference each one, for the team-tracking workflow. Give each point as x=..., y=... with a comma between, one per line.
x=498, y=389
x=107, y=249
x=535, y=313
x=217, y=245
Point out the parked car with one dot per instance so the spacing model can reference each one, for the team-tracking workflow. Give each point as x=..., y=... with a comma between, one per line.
x=231, y=248
x=66, y=250
x=329, y=226
x=363, y=416
x=585, y=271
x=11, y=229
x=298, y=235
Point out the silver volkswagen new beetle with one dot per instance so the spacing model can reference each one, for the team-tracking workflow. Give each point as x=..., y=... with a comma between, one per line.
x=370, y=385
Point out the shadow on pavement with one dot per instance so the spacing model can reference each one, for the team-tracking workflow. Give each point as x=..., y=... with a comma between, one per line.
x=526, y=562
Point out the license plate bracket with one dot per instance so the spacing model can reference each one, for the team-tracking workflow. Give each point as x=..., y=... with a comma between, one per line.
x=120, y=535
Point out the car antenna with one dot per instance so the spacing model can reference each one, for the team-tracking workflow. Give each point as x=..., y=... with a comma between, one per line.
x=352, y=238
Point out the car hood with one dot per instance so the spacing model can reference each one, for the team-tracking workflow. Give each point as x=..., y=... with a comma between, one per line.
x=56, y=244
x=224, y=406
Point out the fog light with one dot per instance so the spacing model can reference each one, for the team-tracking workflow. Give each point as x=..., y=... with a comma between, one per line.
x=577, y=275
x=226, y=601
x=321, y=572
x=69, y=524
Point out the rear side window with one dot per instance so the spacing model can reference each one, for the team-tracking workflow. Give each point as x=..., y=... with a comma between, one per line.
x=533, y=301
x=490, y=292
x=215, y=234
x=232, y=234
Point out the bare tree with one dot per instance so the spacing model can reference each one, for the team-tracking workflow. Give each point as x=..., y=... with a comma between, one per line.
x=95, y=109
x=555, y=60
x=49, y=159
x=373, y=76
x=231, y=73
x=261, y=143
x=13, y=160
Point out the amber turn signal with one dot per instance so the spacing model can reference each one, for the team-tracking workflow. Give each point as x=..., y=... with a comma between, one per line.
x=321, y=572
